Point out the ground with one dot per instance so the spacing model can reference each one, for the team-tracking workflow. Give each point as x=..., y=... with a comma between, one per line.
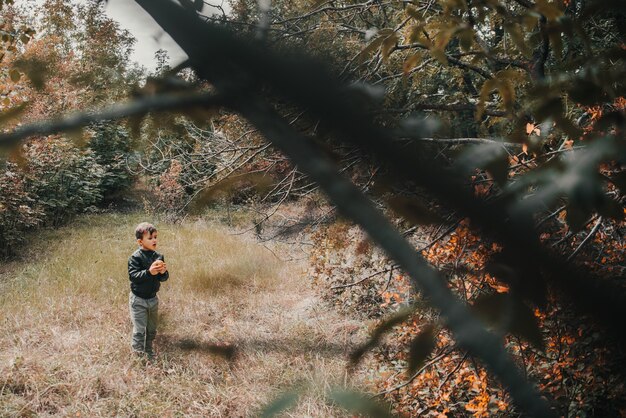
x=239, y=326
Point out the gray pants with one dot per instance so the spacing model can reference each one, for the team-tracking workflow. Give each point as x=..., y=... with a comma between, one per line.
x=144, y=314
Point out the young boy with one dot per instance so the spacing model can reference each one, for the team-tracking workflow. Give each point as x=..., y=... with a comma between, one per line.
x=146, y=271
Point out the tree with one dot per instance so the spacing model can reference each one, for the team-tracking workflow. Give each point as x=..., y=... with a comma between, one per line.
x=249, y=77
x=63, y=57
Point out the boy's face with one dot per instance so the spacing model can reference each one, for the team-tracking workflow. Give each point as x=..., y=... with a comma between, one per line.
x=149, y=241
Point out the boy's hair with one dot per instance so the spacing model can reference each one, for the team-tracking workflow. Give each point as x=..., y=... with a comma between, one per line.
x=142, y=228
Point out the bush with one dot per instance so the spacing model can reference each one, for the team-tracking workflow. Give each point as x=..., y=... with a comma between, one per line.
x=111, y=145
x=17, y=214
x=63, y=179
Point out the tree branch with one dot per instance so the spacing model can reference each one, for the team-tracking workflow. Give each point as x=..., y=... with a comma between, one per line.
x=468, y=331
x=137, y=107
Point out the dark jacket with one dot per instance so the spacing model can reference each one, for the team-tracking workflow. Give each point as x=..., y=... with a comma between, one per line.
x=142, y=283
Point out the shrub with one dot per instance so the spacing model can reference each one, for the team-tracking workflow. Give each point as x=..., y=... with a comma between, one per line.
x=17, y=214
x=63, y=179
x=111, y=145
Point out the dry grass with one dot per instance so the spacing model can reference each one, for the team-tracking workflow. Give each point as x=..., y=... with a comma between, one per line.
x=65, y=328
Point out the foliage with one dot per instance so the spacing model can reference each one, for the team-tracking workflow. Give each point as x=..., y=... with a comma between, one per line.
x=537, y=89
x=453, y=383
x=60, y=58
x=17, y=211
x=64, y=179
x=111, y=147
x=168, y=192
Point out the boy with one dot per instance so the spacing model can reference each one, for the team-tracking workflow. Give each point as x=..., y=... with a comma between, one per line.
x=146, y=271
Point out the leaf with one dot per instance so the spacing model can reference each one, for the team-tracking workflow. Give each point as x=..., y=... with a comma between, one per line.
x=490, y=157
x=619, y=180
x=412, y=11
x=556, y=42
x=549, y=108
x=15, y=75
x=230, y=185
x=358, y=403
x=443, y=38
x=503, y=311
x=498, y=168
x=609, y=208
x=410, y=63
x=421, y=347
x=283, y=402
x=315, y=4
x=466, y=38
x=384, y=327
x=517, y=36
x=485, y=91
x=453, y=5
x=587, y=93
x=548, y=9
x=439, y=55
x=416, y=34
x=373, y=46
x=389, y=43
x=438, y=47
x=35, y=69
x=413, y=210
x=78, y=136
x=12, y=113
x=530, y=19
x=16, y=154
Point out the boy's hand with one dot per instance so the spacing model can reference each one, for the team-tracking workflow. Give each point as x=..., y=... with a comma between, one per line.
x=163, y=268
x=156, y=267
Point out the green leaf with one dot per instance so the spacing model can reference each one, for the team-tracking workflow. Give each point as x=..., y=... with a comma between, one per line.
x=282, y=403
x=358, y=403
x=421, y=347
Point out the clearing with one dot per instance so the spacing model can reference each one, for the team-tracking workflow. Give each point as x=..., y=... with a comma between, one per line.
x=238, y=326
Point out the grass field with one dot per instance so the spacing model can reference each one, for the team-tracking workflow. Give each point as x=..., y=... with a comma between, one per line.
x=237, y=327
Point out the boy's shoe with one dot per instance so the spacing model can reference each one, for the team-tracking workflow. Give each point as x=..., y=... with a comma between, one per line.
x=150, y=356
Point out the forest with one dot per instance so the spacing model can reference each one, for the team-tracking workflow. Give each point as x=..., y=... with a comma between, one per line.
x=424, y=199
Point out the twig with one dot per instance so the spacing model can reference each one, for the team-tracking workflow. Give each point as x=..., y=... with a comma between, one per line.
x=414, y=376
x=553, y=214
x=458, y=366
x=341, y=286
x=443, y=234
x=587, y=238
